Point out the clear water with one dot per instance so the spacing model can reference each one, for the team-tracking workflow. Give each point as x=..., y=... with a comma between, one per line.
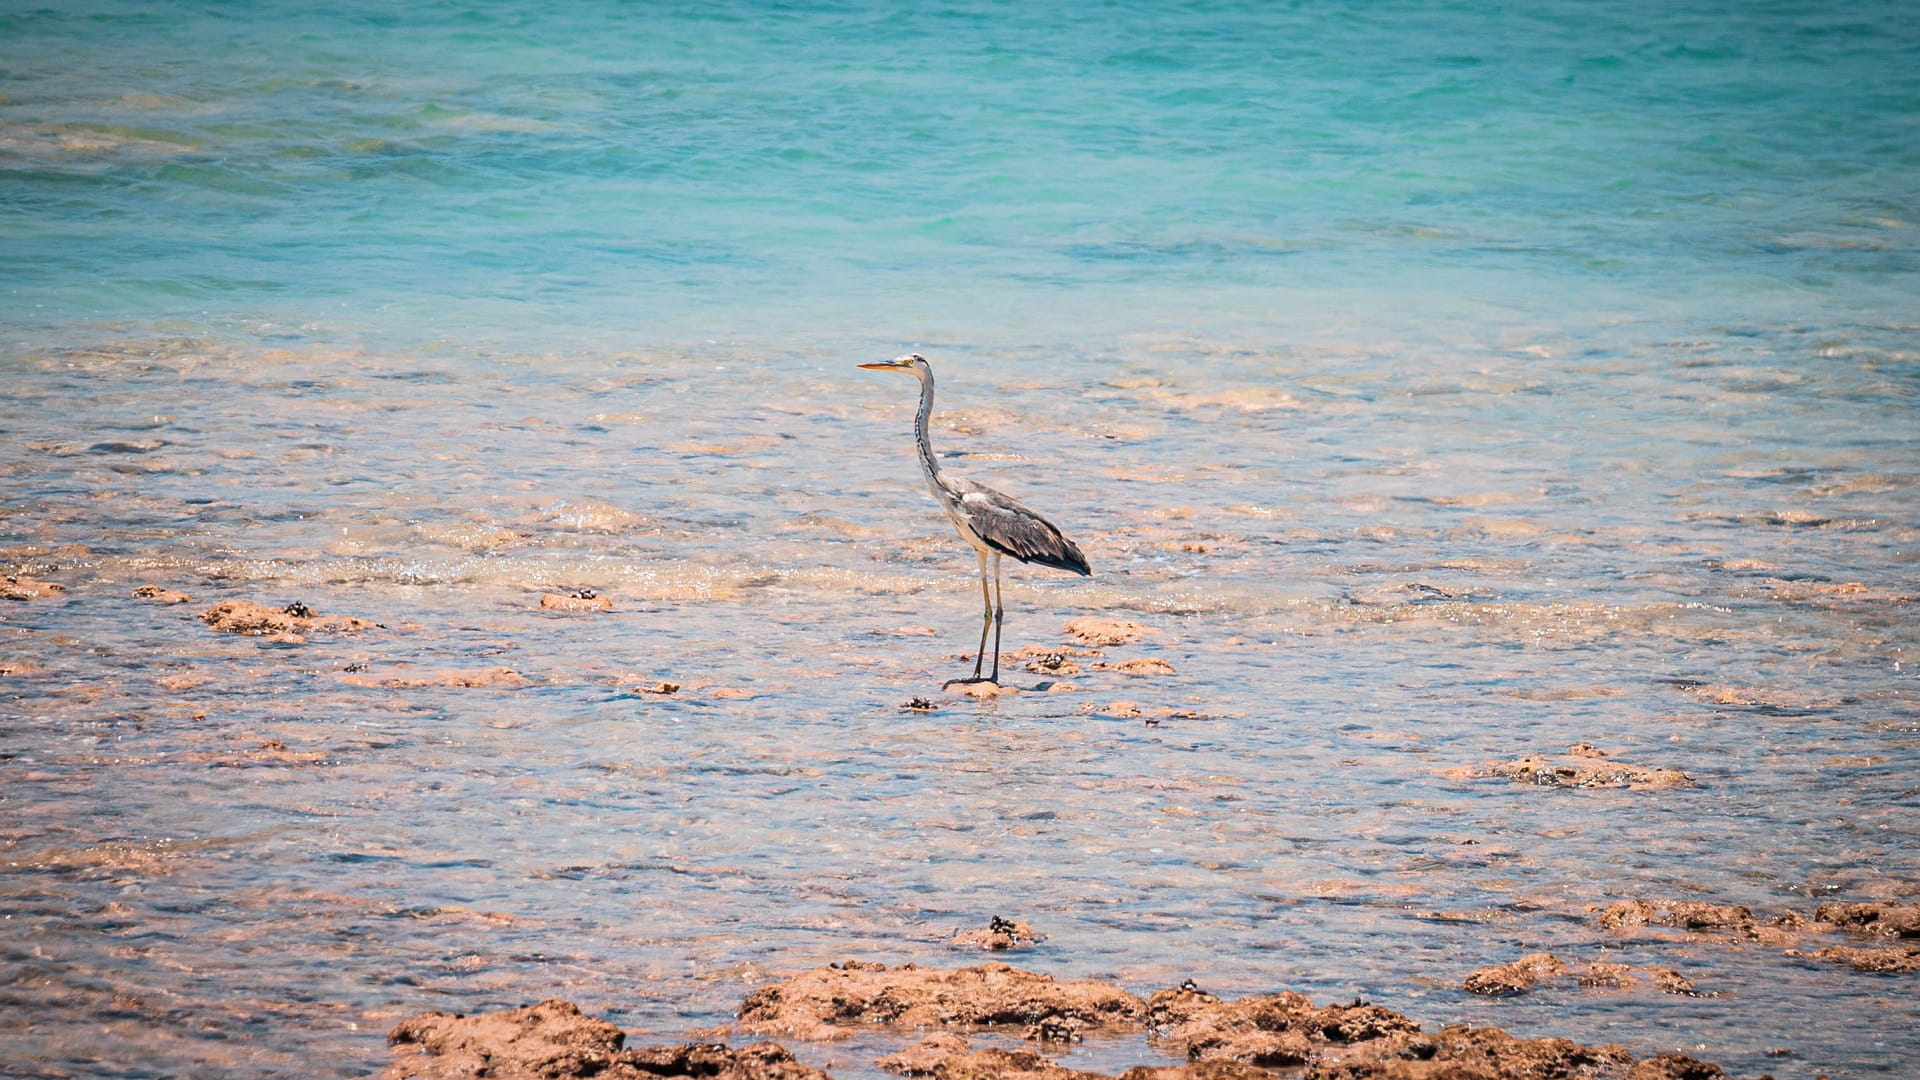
x=1442, y=382
x=487, y=173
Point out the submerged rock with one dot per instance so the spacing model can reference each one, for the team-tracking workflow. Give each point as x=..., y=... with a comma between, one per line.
x=459, y=678
x=160, y=595
x=1142, y=665
x=555, y=1041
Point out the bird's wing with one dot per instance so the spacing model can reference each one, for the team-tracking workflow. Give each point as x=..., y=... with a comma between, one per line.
x=1009, y=526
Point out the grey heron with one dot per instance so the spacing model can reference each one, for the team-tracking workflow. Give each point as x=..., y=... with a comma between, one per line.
x=993, y=523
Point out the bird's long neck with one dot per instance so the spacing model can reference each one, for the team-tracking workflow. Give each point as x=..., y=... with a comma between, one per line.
x=927, y=464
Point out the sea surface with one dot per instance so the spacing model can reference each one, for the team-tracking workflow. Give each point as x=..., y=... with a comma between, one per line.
x=1436, y=384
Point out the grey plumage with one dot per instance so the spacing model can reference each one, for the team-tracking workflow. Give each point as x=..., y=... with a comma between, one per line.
x=1011, y=527
x=994, y=523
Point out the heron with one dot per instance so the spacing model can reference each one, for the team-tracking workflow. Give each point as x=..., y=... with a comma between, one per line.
x=994, y=523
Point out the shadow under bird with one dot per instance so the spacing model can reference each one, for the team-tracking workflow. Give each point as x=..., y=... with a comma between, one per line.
x=994, y=523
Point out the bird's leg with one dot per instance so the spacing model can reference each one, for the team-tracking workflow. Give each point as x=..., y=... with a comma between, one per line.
x=999, y=617
x=986, y=621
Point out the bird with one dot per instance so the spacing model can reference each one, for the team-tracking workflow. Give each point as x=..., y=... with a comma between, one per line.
x=994, y=523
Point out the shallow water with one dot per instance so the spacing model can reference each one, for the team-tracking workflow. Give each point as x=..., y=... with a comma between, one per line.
x=1361, y=581
x=1440, y=384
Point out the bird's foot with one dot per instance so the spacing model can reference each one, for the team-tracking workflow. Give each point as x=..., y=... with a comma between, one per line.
x=973, y=681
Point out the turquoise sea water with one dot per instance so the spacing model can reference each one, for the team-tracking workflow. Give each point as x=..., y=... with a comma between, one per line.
x=560, y=176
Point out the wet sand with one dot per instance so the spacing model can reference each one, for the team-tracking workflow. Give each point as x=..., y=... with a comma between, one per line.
x=341, y=688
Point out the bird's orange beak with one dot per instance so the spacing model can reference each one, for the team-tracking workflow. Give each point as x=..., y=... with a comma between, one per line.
x=887, y=365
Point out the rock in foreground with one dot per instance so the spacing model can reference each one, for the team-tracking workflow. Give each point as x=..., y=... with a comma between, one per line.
x=554, y=1041
x=1220, y=1040
x=817, y=1004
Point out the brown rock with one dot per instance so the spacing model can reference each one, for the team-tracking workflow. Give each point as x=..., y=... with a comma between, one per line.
x=816, y=1004
x=1053, y=664
x=1033, y=652
x=1198, y=1070
x=715, y=1061
x=1517, y=977
x=1266, y=1049
x=1103, y=632
x=1276, y=1030
x=1144, y=665
x=25, y=588
x=1585, y=767
x=1356, y=1041
x=1672, y=982
x=1526, y=973
x=551, y=1039
x=951, y=1057
x=1222, y=1040
x=291, y=622
x=999, y=935
x=554, y=1041
x=1628, y=913
x=576, y=600
x=928, y=1058
x=1607, y=976
x=1494, y=1054
x=979, y=691
x=1734, y=921
x=160, y=595
x=1889, y=919
x=1897, y=960
x=1675, y=1066
x=1698, y=916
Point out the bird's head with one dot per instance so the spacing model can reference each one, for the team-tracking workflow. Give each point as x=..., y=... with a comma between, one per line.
x=912, y=364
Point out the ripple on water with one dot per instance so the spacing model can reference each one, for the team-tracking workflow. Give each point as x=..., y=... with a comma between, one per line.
x=1284, y=756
